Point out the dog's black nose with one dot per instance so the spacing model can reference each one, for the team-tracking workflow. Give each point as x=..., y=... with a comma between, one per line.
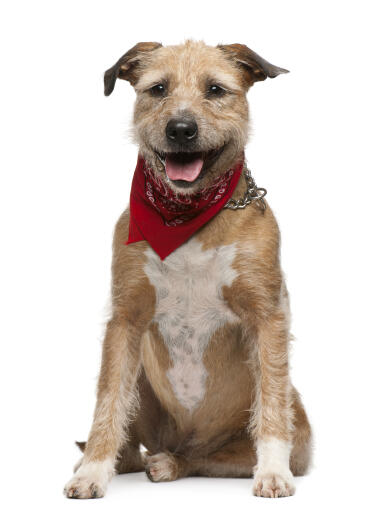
x=181, y=131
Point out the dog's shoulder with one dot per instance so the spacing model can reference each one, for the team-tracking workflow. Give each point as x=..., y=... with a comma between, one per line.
x=132, y=253
x=251, y=227
x=132, y=294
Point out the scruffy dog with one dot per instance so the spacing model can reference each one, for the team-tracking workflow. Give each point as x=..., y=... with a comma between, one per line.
x=195, y=356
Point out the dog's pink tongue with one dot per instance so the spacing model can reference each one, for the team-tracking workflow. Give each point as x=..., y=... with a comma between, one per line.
x=186, y=171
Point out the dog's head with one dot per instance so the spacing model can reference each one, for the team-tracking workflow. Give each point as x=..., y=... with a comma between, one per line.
x=191, y=112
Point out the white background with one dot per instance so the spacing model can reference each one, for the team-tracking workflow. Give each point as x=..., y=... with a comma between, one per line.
x=66, y=166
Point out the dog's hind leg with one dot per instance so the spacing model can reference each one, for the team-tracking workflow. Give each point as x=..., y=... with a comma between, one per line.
x=301, y=452
x=237, y=458
x=129, y=458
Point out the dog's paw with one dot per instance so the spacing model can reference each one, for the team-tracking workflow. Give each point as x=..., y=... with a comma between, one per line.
x=161, y=467
x=89, y=482
x=83, y=488
x=273, y=485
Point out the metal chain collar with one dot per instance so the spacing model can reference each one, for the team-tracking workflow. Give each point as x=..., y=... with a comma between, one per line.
x=252, y=194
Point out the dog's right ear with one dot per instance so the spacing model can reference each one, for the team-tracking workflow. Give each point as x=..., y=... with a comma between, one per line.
x=125, y=67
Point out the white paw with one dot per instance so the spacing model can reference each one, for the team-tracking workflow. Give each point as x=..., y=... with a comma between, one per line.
x=273, y=484
x=90, y=481
x=161, y=467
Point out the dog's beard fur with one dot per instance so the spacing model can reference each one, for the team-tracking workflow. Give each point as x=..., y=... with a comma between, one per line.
x=230, y=154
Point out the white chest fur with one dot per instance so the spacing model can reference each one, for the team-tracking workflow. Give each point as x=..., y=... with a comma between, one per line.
x=189, y=309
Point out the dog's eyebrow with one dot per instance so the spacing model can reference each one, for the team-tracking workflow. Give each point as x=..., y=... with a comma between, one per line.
x=226, y=80
x=149, y=79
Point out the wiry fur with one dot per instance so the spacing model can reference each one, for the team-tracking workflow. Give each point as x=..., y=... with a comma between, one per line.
x=195, y=356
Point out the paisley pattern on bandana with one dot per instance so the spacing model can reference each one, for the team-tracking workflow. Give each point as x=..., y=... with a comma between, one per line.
x=183, y=208
x=166, y=219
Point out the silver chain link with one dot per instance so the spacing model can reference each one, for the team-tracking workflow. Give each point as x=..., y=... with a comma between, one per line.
x=252, y=194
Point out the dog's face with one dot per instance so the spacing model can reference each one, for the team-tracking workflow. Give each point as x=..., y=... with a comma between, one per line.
x=191, y=113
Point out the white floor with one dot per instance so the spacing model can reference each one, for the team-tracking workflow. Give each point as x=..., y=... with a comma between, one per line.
x=330, y=488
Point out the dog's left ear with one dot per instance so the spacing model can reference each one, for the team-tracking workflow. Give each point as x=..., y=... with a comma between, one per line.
x=255, y=68
x=125, y=68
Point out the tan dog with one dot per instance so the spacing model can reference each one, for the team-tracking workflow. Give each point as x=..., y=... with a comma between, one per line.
x=195, y=356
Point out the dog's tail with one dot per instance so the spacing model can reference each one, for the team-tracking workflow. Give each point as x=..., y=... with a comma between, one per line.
x=81, y=445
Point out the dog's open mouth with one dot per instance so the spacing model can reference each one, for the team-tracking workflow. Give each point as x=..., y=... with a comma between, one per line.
x=187, y=167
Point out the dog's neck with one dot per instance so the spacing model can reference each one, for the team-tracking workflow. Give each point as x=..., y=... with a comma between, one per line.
x=167, y=219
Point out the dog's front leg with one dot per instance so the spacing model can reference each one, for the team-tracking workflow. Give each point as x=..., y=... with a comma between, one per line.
x=115, y=401
x=272, y=418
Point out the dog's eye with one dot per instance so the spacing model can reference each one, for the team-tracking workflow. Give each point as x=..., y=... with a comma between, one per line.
x=158, y=90
x=215, y=90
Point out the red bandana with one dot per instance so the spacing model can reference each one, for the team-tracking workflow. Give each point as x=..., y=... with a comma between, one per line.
x=166, y=219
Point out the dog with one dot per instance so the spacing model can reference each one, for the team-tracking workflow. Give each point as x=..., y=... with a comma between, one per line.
x=195, y=354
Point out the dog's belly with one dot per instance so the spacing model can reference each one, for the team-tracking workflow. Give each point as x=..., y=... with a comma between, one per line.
x=190, y=309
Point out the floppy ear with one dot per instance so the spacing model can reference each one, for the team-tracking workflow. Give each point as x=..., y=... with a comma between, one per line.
x=125, y=67
x=254, y=67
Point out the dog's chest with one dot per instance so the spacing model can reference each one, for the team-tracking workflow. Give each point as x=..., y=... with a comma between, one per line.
x=189, y=309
